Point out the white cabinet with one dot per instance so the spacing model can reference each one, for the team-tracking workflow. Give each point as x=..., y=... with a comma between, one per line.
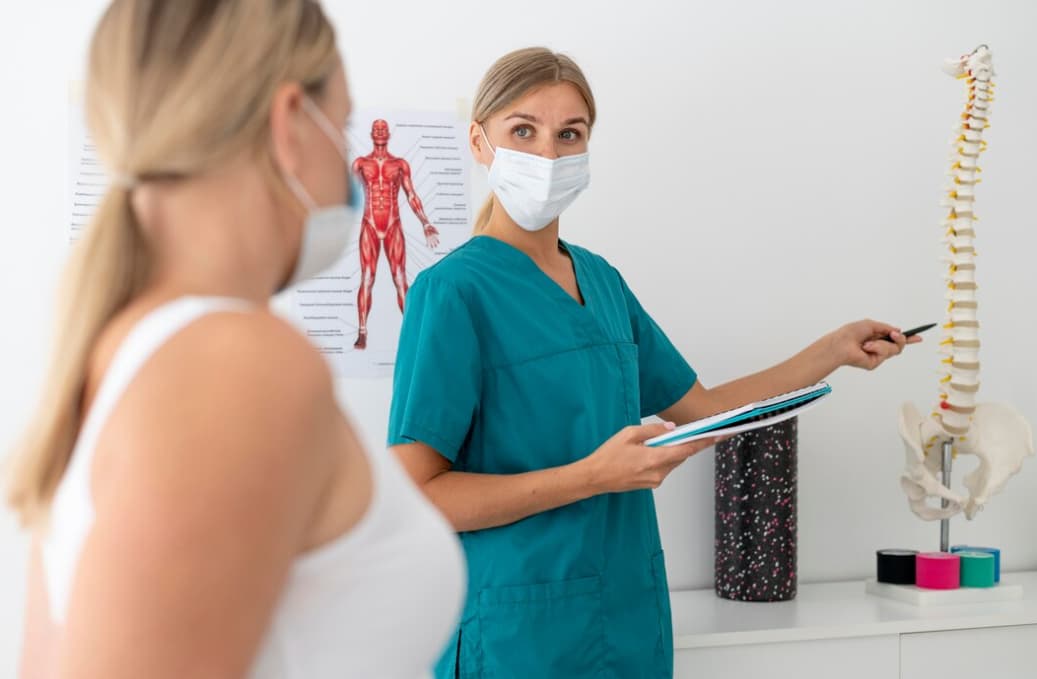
x=1002, y=652
x=824, y=659
x=838, y=630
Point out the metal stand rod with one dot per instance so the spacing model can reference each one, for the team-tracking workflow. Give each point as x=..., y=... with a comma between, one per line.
x=945, y=524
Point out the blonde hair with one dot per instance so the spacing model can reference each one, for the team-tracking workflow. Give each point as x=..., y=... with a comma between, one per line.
x=173, y=89
x=514, y=75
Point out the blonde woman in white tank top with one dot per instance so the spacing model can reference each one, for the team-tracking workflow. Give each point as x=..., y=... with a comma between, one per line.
x=200, y=505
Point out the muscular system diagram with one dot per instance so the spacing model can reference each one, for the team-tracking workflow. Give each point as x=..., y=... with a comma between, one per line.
x=411, y=170
x=382, y=176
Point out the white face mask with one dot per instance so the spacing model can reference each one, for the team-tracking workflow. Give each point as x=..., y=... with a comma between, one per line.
x=532, y=189
x=327, y=230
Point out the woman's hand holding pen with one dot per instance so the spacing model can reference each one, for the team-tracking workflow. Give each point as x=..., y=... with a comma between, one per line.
x=866, y=344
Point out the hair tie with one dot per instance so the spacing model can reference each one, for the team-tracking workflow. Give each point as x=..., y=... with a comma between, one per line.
x=125, y=181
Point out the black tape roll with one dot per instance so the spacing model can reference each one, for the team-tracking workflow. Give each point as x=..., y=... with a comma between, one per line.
x=896, y=566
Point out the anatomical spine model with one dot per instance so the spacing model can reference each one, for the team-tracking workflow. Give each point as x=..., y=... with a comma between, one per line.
x=995, y=433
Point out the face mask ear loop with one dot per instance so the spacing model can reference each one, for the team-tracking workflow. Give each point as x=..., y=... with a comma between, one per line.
x=487, y=140
x=317, y=116
x=326, y=126
x=301, y=193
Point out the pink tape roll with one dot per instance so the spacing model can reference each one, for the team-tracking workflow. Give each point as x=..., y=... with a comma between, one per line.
x=938, y=570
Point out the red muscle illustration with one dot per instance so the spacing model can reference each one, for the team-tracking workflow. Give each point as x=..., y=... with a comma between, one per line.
x=382, y=176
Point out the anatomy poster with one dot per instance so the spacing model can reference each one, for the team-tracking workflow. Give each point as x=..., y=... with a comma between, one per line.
x=412, y=170
x=87, y=181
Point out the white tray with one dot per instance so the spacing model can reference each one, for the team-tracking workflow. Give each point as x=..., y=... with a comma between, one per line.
x=910, y=594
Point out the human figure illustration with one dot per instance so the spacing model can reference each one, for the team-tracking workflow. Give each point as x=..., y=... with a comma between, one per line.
x=382, y=176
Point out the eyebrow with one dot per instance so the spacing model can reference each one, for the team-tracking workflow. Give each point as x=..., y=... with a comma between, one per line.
x=534, y=119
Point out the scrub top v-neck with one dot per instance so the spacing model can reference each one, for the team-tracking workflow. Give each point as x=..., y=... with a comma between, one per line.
x=502, y=371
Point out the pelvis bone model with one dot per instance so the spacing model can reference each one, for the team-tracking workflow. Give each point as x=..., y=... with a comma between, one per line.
x=995, y=433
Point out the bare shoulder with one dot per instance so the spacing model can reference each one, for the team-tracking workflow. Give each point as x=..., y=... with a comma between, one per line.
x=232, y=350
x=232, y=389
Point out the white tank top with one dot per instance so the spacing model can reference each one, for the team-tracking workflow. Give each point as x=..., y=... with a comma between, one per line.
x=377, y=602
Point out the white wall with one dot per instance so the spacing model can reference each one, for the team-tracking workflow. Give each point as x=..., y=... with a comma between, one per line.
x=763, y=172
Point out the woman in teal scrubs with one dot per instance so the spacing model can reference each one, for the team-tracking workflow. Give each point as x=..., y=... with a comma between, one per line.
x=525, y=366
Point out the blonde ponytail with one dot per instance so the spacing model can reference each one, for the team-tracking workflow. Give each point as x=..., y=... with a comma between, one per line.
x=107, y=267
x=483, y=217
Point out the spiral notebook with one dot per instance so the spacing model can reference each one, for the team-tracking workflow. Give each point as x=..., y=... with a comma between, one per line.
x=747, y=417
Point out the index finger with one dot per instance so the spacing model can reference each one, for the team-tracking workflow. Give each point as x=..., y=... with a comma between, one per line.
x=683, y=451
x=639, y=433
x=881, y=330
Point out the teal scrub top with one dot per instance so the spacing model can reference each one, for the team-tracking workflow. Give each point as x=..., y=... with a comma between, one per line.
x=501, y=372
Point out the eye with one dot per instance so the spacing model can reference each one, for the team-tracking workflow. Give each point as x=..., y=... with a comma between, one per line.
x=522, y=131
x=570, y=135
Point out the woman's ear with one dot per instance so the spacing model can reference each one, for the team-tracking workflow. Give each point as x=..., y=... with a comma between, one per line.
x=478, y=144
x=285, y=128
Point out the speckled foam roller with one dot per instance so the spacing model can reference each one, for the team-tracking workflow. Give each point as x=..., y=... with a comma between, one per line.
x=755, y=539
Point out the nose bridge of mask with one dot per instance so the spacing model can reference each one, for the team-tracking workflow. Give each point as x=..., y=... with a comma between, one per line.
x=537, y=170
x=530, y=163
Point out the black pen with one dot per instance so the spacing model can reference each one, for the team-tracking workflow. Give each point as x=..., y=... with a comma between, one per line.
x=912, y=332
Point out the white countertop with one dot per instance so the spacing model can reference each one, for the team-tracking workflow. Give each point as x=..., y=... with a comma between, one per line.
x=832, y=611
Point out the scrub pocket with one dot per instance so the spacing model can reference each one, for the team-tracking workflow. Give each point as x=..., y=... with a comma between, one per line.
x=553, y=630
